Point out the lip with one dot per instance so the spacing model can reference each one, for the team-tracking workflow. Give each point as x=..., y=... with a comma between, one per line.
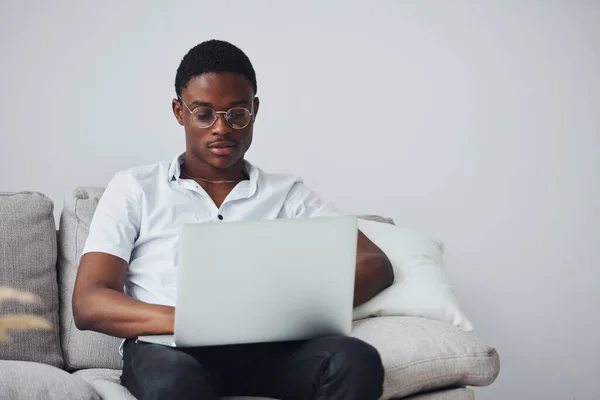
x=222, y=147
x=221, y=151
x=222, y=144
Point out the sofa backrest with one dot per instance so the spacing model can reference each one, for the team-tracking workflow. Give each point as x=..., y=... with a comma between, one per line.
x=81, y=349
x=28, y=263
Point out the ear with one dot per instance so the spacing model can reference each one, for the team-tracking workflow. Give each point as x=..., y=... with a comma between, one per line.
x=256, y=105
x=177, y=111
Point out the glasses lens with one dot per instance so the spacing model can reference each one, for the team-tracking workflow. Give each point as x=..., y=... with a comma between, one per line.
x=204, y=117
x=238, y=117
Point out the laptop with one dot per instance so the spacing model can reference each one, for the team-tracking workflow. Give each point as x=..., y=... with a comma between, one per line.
x=263, y=281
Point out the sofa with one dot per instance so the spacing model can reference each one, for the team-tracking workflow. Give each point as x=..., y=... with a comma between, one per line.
x=424, y=359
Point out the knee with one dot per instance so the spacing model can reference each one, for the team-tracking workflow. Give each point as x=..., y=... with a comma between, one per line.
x=355, y=370
x=166, y=374
x=357, y=355
x=176, y=370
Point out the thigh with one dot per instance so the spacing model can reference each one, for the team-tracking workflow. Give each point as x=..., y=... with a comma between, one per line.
x=152, y=371
x=333, y=367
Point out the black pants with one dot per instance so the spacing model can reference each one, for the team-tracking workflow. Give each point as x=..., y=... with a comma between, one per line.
x=329, y=368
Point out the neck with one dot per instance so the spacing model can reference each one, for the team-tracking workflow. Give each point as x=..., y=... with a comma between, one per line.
x=195, y=168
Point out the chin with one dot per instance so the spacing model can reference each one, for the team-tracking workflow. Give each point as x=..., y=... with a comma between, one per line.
x=223, y=162
x=217, y=161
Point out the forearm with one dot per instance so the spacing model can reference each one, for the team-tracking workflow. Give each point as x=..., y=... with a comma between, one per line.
x=374, y=273
x=114, y=313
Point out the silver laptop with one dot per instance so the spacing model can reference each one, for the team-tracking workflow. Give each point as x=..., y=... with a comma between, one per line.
x=263, y=281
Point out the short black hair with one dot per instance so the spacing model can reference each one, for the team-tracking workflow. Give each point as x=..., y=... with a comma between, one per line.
x=214, y=56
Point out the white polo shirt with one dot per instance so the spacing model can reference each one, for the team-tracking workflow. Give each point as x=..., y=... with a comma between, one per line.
x=140, y=213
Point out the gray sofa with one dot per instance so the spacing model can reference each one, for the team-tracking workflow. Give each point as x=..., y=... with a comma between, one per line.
x=424, y=359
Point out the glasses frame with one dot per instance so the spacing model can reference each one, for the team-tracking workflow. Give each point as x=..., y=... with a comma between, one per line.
x=251, y=111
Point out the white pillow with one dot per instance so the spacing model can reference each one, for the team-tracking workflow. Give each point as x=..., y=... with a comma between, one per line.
x=421, y=288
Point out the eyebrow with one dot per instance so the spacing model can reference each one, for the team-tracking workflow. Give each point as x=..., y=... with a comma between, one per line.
x=199, y=103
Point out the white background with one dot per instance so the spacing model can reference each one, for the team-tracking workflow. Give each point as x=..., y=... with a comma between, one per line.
x=478, y=121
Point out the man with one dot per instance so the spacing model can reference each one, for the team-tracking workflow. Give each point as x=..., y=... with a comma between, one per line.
x=125, y=286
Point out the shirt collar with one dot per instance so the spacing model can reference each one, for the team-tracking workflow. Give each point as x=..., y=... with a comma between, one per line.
x=244, y=189
x=175, y=167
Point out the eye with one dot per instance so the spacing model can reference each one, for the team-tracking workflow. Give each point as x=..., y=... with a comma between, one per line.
x=203, y=115
x=238, y=113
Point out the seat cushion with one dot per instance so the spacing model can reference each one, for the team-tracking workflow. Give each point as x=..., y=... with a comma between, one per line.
x=450, y=394
x=28, y=263
x=107, y=382
x=35, y=381
x=422, y=355
x=82, y=349
x=419, y=356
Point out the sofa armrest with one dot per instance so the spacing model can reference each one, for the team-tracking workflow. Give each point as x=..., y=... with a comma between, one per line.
x=422, y=355
x=31, y=380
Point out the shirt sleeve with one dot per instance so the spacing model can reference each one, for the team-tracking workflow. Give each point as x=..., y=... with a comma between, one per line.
x=302, y=202
x=116, y=222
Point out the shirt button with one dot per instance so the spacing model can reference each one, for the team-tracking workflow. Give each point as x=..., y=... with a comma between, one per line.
x=220, y=217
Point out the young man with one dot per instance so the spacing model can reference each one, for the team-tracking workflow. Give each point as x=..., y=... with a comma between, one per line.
x=125, y=286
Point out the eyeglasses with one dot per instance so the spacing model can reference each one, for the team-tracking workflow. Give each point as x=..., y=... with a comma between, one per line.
x=205, y=117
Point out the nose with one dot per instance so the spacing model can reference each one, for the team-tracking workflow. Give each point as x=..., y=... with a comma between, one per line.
x=221, y=127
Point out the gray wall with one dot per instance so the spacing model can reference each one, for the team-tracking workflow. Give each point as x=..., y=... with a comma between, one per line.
x=477, y=121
